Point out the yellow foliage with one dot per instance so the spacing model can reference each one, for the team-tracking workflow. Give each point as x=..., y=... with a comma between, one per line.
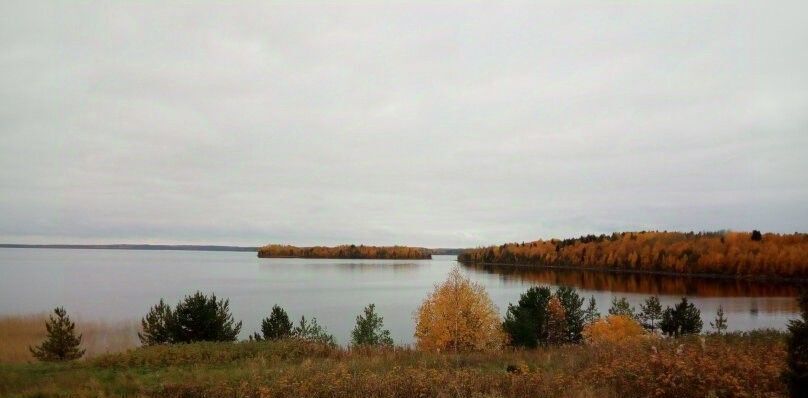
x=458, y=316
x=613, y=329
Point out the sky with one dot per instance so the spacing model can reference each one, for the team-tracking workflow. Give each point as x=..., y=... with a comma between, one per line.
x=428, y=124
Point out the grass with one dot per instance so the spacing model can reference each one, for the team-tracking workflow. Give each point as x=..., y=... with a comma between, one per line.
x=738, y=365
x=18, y=332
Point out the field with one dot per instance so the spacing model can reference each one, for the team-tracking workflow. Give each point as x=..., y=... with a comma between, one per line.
x=18, y=332
x=738, y=365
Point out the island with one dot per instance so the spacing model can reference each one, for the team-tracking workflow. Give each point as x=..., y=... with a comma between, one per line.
x=346, y=251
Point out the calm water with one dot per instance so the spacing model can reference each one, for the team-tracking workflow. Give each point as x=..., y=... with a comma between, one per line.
x=122, y=284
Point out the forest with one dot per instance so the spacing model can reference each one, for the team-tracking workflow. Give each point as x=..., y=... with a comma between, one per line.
x=346, y=251
x=741, y=254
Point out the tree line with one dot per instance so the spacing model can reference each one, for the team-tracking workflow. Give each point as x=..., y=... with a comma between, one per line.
x=457, y=316
x=347, y=251
x=725, y=253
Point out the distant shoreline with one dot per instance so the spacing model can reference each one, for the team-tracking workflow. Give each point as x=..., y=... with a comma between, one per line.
x=207, y=248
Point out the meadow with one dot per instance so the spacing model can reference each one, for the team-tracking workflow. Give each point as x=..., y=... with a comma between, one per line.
x=734, y=365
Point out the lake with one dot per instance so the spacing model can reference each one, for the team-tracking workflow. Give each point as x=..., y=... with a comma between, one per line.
x=121, y=285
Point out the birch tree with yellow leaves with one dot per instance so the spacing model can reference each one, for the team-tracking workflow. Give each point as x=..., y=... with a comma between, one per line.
x=458, y=316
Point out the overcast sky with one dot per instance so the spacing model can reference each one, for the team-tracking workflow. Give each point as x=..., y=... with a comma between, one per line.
x=398, y=123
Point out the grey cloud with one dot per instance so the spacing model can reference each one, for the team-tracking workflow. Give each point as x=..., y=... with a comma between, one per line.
x=382, y=123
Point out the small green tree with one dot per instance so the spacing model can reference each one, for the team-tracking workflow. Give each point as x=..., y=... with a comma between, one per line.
x=621, y=307
x=277, y=326
x=796, y=373
x=650, y=313
x=61, y=342
x=202, y=318
x=526, y=322
x=720, y=322
x=157, y=325
x=573, y=313
x=196, y=318
x=312, y=331
x=591, y=313
x=683, y=319
x=368, y=330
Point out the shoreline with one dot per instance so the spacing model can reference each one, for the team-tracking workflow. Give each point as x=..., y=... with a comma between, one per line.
x=756, y=278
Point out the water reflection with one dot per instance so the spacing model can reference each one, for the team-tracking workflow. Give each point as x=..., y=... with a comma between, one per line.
x=775, y=296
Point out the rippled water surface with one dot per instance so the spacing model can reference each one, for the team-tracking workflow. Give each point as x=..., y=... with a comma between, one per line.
x=122, y=285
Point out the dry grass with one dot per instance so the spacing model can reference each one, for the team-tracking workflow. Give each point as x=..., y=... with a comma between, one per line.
x=18, y=332
x=738, y=365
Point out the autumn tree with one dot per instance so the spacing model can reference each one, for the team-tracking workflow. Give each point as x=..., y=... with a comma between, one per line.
x=650, y=313
x=683, y=319
x=458, y=316
x=613, y=329
x=61, y=342
x=526, y=322
x=720, y=322
x=369, y=330
x=796, y=374
x=557, y=332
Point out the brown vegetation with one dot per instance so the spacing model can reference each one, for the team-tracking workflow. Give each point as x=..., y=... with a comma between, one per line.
x=347, y=251
x=18, y=332
x=724, y=253
x=719, y=366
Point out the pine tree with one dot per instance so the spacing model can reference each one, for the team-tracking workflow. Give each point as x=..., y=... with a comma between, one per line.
x=573, y=313
x=312, y=331
x=61, y=343
x=591, y=313
x=720, y=322
x=650, y=313
x=796, y=374
x=196, y=318
x=368, y=330
x=526, y=322
x=277, y=326
x=157, y=325
x=621, y=307
x=683, y=319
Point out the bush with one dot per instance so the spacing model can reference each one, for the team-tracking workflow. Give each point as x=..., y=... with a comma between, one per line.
x=195, y=318
x=458, y=316
x=683, y=319
x=613, y=329
x=61, y=343
x=796, y=374
x=368, y=330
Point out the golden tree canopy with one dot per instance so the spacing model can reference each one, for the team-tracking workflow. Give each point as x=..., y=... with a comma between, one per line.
x=613, y=329
x=458, y=316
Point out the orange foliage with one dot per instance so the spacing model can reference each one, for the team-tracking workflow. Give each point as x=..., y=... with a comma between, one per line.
x=346, y=251
x=725, y=253
x=613, y=329
x=458, y=316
